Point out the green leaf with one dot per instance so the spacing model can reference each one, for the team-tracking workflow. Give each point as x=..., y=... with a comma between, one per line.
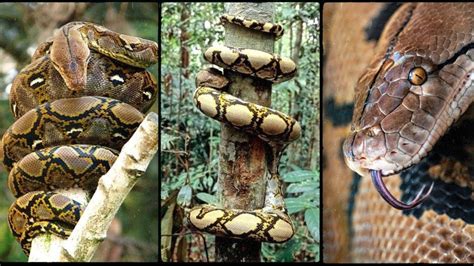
x=207, y=198
x=184, y=196
x=303, y=187
x=311, y=218
x=286, y=254
x=294, y=205
x=166, y=230
x=300, y=175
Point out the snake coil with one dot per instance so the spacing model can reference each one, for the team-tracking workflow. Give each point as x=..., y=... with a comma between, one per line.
x=75, y=106
x=271, y=223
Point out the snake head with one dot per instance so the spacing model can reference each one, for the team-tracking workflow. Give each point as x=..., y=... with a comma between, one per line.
x=393, y=120
x=418, y=84
x=70, y=56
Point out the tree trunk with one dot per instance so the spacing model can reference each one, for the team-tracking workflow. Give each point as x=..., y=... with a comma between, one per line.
x=243, y=172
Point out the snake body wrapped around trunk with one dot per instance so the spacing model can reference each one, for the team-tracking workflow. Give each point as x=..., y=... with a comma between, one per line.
x=270, y=223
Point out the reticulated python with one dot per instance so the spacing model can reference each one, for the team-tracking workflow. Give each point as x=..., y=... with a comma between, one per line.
x=414, y=89
x=417, y=85
x=271, y=223
x=76, y=104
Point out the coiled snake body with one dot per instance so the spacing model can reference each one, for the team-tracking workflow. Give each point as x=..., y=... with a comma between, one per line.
x=75, y=108
x=417, y=85
x=271, y=223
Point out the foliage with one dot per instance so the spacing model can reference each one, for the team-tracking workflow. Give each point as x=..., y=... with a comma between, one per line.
x=190, y=141
x=20, y=28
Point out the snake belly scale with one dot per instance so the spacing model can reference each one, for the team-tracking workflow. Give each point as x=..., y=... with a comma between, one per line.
x=75, y=105
x=270, y=223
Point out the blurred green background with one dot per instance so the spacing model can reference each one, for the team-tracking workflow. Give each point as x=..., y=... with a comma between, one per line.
x=133, y=235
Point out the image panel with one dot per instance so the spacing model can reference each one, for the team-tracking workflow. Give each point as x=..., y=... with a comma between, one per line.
x=240, y=132
x=397, y=170
x=79, y=127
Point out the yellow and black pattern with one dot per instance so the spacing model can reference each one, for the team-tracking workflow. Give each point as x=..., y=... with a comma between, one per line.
x=72, y=166
x=75, y=109
x=258, y=225
x=270, y=125
x=40, y=82
x=255, y=63
x=275, y=29
x=39, y=212
x=70, y=121
x=271, y=223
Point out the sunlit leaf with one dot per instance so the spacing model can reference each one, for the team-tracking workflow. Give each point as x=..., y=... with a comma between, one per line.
x=311, y=218
x=207, y=198
x=303, y=187
x=294, y=205
x=300, y=175
x=184, y=196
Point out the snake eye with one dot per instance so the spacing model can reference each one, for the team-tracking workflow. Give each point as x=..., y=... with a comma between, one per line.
x=417, y=76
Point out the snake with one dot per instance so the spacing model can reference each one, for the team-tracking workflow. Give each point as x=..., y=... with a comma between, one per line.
x=270, y=223
x=75, y=105
x=412, y=100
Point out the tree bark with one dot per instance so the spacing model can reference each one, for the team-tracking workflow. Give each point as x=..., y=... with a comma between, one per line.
x=243, y=172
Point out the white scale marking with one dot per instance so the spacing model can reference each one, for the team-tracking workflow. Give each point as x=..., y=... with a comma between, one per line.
x=119, y=135
x=36, y=81
x=74, y=130
x=128, y=47
x=147, y=94
x=36, y=143
x=117, y=78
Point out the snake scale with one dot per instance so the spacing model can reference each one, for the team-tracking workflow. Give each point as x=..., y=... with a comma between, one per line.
x=270, y=223
x=75, y=106
x=411, y=118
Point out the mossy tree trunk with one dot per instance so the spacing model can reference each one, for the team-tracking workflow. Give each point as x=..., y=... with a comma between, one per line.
x=243, y=172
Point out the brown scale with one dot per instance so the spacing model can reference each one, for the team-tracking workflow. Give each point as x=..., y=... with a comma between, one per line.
x=274, y=29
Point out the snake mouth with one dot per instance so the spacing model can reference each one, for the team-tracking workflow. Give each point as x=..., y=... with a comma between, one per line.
x=377, y=180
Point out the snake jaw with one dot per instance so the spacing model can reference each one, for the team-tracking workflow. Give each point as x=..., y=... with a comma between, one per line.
x=390, y=199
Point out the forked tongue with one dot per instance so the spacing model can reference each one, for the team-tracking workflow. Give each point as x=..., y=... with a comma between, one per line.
x=390, y=199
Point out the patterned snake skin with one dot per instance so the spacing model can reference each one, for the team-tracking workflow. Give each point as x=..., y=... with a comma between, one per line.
x=411, y=65
x=74, y=108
